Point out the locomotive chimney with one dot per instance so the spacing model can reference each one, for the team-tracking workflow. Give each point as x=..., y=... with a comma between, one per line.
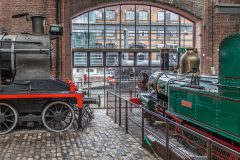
x=38, y=24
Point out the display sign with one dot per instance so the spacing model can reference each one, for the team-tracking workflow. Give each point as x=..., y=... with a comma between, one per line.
x=56, y=29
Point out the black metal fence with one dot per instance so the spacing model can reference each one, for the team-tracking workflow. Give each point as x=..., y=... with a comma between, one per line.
x=163, y=137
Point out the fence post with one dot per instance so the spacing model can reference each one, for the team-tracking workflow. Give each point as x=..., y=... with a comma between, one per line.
x=126, y=117
x=209, y=150
x=115, y=108
x=120, y=112
x=143, y=127
x=167, y=142
x=107, y=102
x=130, y=95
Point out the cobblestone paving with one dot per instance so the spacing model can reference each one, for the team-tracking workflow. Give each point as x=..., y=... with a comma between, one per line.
x=101, y=140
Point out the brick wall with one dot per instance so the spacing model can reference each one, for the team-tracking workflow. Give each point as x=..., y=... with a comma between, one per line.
x=216, y=27
x=8, y=8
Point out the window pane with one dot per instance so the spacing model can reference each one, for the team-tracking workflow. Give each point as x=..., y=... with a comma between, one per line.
x=110, y=15
x=78, y=77
x=96, y=79
x=113, y=28
x=173, y=60
x=83, y=19
x=96, y=59
x=172, y=30
x=160, y=17
x=143, y=15
x=80, y=39
x=157, y=33
x=157, y=37
x=143, y=27
x=130, y=15
x=172, y=18
x=80, y=59
x=142, y=12
x=112, y=59
x=96, y=38
x=155, y=59
x=128, y=26
x=127, y=59
x=80, y=31
x=96, y=16
x=157, y=16
x=186, y=33
x=142, y=59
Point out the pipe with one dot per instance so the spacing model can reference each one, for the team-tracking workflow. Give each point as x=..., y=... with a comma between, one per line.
x=31, y=42
x=1, y=61
x=58, y=11
x=38, y=24
x=42, y=51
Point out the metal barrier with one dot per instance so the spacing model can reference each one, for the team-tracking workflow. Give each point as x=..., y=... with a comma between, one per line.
x=157, y=133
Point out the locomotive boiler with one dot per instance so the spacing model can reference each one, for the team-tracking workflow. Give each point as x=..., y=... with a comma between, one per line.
x=206, y=104
x=28, y=93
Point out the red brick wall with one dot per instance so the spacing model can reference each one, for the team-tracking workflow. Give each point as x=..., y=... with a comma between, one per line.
x=216, y=27
x=8, y=8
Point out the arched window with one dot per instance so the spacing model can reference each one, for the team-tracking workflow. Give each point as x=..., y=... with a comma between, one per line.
x=126, y=26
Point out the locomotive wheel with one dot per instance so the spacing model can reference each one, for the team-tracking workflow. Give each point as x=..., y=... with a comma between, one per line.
x=58, y=116
x=8, y=118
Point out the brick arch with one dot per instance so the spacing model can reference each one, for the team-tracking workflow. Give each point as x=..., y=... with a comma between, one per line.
x=192, y=10
x=182, y=10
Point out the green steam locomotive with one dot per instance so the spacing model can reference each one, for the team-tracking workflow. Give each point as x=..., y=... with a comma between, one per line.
x=208, y=104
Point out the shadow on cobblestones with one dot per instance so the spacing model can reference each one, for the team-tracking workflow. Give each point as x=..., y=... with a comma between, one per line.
x=100, y=140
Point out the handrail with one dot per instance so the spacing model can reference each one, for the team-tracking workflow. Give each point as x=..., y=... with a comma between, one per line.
x=209, y=142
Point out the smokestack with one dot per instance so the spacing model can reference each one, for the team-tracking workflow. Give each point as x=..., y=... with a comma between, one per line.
x=38, y=24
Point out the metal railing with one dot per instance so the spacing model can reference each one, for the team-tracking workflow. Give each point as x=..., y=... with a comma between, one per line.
x=163, y=137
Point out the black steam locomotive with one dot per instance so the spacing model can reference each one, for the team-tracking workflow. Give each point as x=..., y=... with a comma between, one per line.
x=28, y=94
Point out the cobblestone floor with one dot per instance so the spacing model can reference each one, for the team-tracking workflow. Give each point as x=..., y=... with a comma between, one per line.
x=101, y=140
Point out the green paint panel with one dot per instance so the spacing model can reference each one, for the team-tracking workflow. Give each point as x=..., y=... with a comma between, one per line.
x=205, y=109
x=229, y=56
x=228, y=116
x=213, y=113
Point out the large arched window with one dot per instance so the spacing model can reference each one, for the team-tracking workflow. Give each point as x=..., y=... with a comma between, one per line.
x=128, y=26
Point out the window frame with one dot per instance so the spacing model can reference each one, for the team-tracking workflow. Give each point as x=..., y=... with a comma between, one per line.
x=113, y=18
x=132, y=16
x=146, y=17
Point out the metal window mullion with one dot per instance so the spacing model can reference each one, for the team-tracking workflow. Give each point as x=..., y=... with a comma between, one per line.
x=135, y=59
x=88, y=30
x=120, y=71
x=104, y=84
x=104, y=59
x=104, y=29
x=135, y=66
x=88, y=67
x=135, y=41
x=149, y=59
x=179, y=31
x=120, y=27
x=165, y=28
x=150, y=28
